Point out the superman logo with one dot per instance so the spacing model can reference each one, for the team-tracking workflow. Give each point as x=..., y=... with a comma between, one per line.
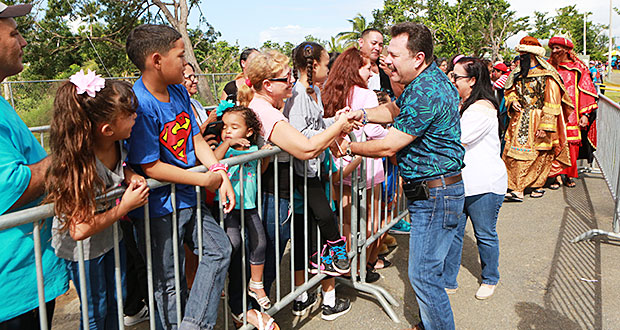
x=175, y=134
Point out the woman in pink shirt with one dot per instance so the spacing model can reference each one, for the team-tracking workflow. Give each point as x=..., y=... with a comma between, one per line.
x=270, y=82
x=347, y=86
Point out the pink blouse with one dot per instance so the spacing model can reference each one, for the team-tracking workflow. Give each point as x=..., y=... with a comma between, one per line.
x=267, y=114
x=365, y=98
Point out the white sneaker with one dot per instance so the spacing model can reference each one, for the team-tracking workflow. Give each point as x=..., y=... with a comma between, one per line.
x=141, y=316
x=485, y=291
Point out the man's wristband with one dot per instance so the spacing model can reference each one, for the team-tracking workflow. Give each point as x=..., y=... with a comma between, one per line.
x=365, y=119
x=217, y=167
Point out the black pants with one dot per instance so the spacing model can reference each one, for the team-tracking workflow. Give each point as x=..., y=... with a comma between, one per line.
x=254, y=229
x=299, y=243
x=136, y=281
x=29, y=320
x=320, y=207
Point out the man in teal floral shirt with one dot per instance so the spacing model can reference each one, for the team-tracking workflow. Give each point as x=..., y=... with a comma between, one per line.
x=426, y=138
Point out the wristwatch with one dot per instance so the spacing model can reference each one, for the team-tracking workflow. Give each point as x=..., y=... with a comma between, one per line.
x=348, y=151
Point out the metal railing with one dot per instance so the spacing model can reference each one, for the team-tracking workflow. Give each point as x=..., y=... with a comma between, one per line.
x=607, y=156
x=359, y=241
x=26, y=95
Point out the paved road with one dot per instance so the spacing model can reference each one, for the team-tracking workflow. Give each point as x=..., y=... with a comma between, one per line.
x=546, y=281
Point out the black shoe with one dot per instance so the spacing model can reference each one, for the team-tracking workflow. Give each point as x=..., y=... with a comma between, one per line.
x=342, y=306
x=300, y=308
x=372, y=276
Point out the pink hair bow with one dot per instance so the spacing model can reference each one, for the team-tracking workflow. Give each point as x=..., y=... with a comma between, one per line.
x=90, y=83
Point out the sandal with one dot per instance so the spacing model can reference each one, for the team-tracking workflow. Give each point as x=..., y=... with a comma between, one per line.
x=555, y=185
x=264, y=301
x=270, y=325
x=568, y=182
x=386, y=263
x=538, y=193
x=512, y=197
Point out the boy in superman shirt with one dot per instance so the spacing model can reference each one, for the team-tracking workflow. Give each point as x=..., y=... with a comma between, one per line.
x=164, y=143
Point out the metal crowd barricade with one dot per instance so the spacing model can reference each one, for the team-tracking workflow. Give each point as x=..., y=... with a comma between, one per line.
x=607, y=156
x=359, y=241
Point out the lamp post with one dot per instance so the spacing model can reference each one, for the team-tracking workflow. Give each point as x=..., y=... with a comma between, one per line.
x=610, y=39
x=585, y=15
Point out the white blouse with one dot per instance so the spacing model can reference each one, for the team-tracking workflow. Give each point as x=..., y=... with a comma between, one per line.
x=484, y=169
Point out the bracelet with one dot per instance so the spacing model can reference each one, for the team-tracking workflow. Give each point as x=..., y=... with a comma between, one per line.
x=365, y=119
x=217, y=167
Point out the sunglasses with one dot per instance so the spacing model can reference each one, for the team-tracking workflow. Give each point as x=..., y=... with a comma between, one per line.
x=283, y=79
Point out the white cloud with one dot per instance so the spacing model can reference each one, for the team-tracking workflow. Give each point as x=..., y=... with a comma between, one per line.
x=296, y=33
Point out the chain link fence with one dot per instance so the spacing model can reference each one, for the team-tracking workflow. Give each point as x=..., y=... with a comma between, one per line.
x=33, y=100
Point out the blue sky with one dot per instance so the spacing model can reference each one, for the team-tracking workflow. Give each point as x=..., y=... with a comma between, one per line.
x=253, y=22
x=250, y=23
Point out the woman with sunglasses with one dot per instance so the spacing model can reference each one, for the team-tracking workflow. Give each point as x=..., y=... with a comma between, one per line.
x=269, y=82
x=484, y=175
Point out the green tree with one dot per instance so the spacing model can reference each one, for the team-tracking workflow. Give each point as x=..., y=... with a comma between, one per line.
x=285, y=48
x=349, y=38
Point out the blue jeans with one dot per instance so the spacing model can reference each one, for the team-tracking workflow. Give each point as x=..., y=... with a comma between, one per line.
x=483, y=210
x=201, y=306
x=433, y=227
x=100, y=288
x=269, y=219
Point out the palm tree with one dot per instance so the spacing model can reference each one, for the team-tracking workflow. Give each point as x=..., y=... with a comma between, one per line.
x=334, y=45
x=349, y=38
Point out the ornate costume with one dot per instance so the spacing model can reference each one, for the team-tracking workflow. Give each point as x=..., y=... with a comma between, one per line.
x=544, y=104
x=579, y=87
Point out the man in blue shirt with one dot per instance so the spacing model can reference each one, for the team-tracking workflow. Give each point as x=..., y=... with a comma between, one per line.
x=23, y=164
x=426, y=138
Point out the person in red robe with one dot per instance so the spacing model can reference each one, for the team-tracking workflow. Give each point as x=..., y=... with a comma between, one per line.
x=582, y=92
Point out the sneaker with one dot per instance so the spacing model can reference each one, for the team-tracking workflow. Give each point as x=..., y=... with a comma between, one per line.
x=485, y=291
x=340, y=259
x=141, y=316
x=342, y=306
x=300, y=308
x=402, y=227
x=326, y=266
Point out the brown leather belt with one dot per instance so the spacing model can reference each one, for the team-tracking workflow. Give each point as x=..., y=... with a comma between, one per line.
x=448, y=180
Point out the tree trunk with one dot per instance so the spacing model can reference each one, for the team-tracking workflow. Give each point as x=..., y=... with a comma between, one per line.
x=179, y=22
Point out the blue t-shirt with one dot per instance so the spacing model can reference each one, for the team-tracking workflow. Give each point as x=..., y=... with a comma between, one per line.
x=594, y=74
x=429, y=111
x=163, y=131
x=250, y=187
x=17, y=268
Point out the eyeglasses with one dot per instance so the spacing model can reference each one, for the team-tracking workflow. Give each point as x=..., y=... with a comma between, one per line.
x=454, y=77
x=191, y=77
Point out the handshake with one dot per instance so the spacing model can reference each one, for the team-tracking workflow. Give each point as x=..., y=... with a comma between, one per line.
x=352, y=120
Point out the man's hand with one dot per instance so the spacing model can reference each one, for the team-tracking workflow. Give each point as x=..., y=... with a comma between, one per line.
x=384, y=66
x=541, y=134
x=583, y=122
x=357, y=115
x=211, y=140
